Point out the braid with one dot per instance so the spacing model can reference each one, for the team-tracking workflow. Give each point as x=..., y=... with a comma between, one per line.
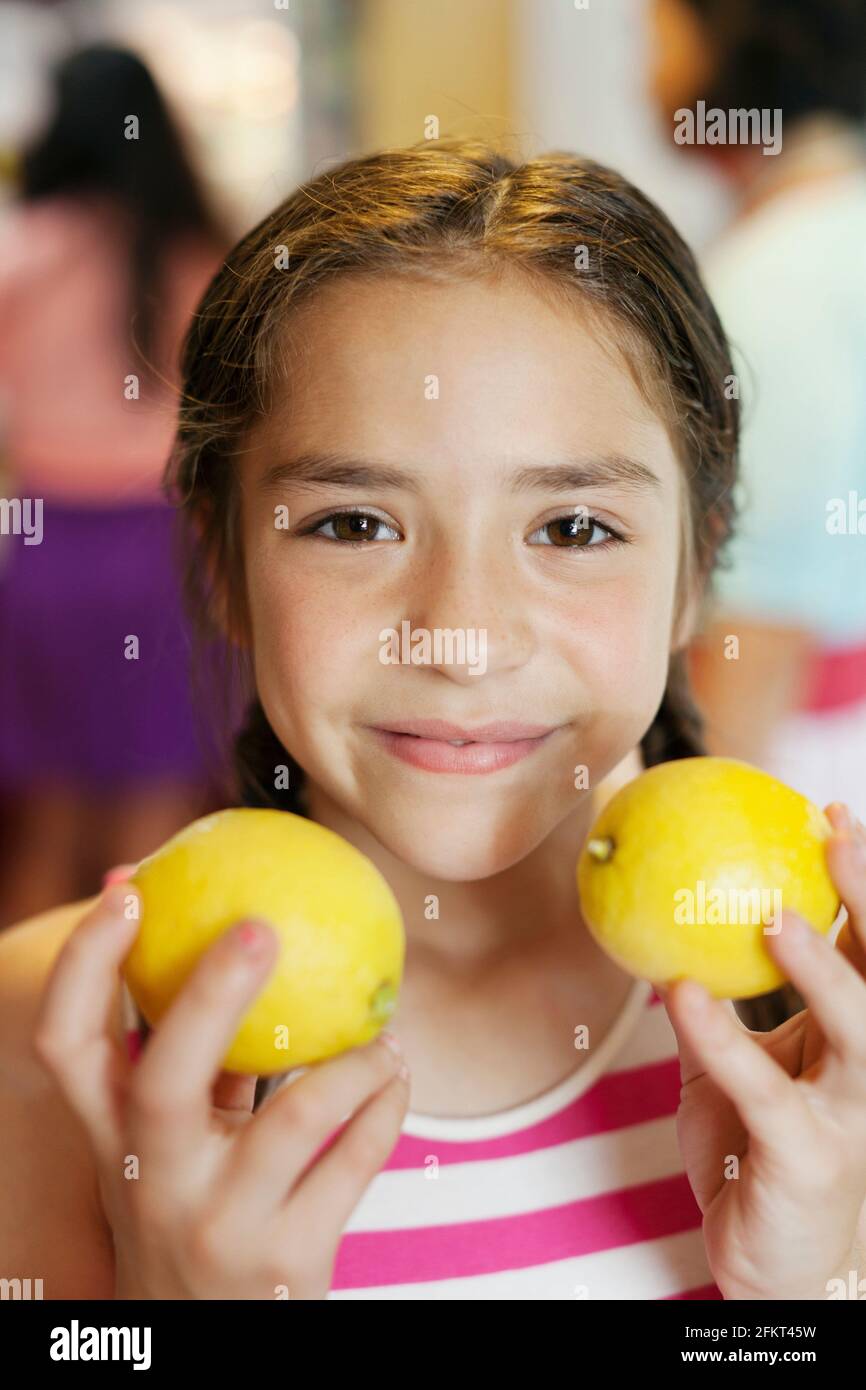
x=677, y=730
x=257, y=754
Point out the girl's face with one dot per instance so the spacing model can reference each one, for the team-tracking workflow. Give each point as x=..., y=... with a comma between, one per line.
x=509, y=508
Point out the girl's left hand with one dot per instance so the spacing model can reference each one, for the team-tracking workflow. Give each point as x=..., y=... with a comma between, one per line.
x=772, y=1126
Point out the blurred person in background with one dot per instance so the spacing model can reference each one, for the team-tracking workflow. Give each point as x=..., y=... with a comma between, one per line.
x=103, y=257
x=789, y=280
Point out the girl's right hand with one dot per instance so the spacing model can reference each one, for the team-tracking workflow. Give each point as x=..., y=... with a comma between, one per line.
x=205, y=1199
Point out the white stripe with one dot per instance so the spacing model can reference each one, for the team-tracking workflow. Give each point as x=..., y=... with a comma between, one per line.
x=653, y=1041
x=403, y=1198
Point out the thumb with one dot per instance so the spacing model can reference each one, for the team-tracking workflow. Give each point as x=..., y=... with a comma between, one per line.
x=118, y=874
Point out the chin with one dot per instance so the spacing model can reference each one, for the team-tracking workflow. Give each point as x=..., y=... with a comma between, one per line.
x=456, y=848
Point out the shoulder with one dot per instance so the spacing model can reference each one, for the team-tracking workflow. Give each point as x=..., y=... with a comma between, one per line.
x=27, y=954
x=51, y=1219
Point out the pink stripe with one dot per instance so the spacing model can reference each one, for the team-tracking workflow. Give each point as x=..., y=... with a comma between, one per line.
x=837, y=678
x=625, y=1216
x=706, y=1292
x=616, y=1101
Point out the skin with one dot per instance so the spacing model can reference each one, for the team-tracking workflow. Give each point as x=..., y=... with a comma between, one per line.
x=232, y=1204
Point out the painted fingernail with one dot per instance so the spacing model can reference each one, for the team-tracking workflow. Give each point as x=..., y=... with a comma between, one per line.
x=118, y=874
x=251, y=937
x=390, y=1041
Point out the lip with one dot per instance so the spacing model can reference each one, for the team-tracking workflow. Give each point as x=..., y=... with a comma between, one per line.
x=500, y=731
x=494, y=746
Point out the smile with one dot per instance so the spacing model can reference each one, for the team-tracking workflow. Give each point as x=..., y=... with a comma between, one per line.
x=436, y=746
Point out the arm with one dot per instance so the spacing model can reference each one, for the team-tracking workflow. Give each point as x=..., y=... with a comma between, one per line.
x=51, y=1222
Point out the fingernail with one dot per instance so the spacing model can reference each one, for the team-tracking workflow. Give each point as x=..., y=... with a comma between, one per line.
x=796, y=930
x=250, y=936
x=390, y=1041
x=842, y=813
x=116, y=875
x=403, y=1071
x=694, y=996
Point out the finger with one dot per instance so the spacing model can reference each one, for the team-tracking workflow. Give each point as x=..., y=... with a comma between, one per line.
x=330, y=1190
x=118, y=874
x=833, y=990
x=296, y=1121
x=846, y=860
x=74, y=1029
x=691, y=1063
x=765, y=1097
x=171, y=1090
x=234, y=1091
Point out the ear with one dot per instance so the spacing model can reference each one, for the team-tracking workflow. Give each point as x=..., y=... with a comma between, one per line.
x=688, y=618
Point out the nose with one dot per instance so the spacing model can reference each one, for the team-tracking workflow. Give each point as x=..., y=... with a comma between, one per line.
x=472, y=593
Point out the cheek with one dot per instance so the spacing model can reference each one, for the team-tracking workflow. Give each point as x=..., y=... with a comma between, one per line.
x=305, y=637
x=615, y=637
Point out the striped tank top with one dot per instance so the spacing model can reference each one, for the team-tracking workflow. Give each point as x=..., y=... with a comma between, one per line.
x=579, y=1193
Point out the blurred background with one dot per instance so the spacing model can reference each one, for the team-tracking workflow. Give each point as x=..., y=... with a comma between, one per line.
x=106, y=245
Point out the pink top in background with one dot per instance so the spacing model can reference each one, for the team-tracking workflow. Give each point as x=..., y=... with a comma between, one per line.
x=67, y=430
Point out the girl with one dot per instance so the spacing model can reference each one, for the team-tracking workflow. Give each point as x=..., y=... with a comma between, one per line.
x=417, y=379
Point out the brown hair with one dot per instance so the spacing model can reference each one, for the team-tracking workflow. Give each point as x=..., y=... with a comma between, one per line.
x=444, y=208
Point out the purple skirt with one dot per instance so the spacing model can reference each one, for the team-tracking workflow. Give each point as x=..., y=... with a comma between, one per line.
x=73, y=707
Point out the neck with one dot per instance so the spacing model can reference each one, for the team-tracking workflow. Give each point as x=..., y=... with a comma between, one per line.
x=817, y=149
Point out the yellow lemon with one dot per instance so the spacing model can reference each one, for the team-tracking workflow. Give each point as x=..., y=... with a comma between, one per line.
x=687, y=865
x=335, y=982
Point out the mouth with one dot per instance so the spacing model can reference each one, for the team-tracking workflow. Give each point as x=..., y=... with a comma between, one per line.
x=437, y=746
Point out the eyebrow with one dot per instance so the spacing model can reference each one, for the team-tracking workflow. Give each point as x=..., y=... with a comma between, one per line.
x=340, y=470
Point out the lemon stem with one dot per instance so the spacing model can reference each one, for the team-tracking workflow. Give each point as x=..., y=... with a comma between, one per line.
x=601, y=849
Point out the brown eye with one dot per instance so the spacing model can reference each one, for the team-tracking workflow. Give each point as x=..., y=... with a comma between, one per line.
x=355, y=526
x=577, y=531
x=573, y=531
x=349, y=527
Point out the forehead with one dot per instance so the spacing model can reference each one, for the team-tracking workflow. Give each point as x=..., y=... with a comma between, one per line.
x=482, y=366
